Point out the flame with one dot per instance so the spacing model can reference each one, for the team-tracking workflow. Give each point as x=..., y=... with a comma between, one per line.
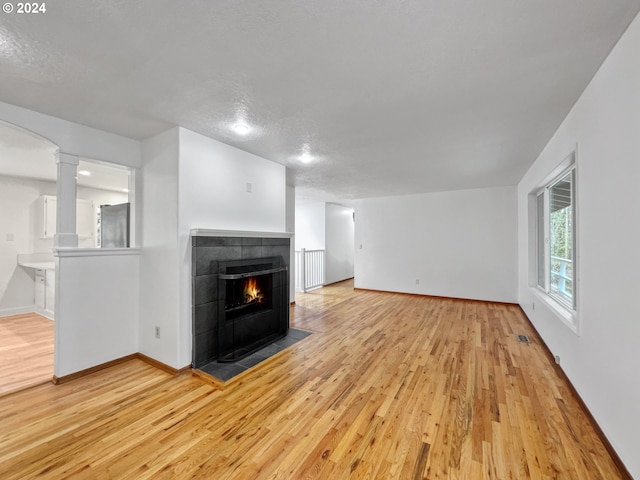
x=251, y=291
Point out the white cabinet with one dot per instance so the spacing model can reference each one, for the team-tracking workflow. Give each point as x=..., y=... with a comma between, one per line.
x=50, y=291
x=46, y=216
x=40, y=288
x=85, y=219
x=46, y=211
x=45, y=290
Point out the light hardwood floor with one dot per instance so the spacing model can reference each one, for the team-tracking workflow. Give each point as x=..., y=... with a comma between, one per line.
x=389, y=386
x=26, y=351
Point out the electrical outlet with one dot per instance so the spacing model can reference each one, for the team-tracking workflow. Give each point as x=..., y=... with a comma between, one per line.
x=417, y=281
x=533, y=306
x=10, y=237
x=157, y=332
x=249, y=187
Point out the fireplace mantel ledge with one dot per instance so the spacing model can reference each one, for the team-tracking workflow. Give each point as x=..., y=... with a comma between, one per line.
x=201, y=232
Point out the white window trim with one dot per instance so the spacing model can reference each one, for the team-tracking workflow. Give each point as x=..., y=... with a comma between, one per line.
x=568, y=315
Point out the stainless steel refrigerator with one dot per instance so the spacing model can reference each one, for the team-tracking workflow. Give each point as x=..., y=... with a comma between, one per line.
x=114, y=226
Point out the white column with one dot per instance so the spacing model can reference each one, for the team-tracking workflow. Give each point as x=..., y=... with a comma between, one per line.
x=66, y=235
x=134, y=182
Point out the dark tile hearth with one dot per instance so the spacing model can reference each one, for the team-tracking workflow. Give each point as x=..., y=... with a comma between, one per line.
x=226, y=371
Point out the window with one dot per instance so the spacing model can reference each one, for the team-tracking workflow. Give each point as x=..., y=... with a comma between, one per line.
x=556, y=238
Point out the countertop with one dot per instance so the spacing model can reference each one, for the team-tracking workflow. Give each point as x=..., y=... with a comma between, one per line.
x=39, y=265
x=38, y=261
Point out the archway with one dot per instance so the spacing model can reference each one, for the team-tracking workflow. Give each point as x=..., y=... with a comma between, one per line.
x=27, y=282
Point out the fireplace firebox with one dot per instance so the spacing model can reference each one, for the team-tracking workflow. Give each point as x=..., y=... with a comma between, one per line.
x=246, y=293
x=253, y=306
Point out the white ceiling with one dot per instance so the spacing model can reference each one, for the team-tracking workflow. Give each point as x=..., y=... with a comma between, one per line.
x=391, y=97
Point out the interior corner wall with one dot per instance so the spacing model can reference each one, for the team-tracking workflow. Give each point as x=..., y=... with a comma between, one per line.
x=310, y=226
x=339, y=238
x=458, y=244
x=222, y=188
x=159, y=258
x=602, y=361
x=291, y=228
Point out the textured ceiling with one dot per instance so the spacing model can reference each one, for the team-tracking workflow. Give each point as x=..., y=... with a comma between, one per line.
x=389, y=97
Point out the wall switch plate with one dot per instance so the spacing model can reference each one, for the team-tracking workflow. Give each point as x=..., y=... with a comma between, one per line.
x=249, y=187
x=10, y=237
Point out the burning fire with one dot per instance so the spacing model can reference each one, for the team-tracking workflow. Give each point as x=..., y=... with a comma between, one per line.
x=251, y=291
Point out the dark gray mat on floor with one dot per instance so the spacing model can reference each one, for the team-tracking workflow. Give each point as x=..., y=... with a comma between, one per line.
x=226, y=371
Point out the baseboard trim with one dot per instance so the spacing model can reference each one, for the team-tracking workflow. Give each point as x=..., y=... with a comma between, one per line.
x=603, y=438
x=338, y=281
x=140, y=356
x=162, y=366
x=441, y=297
x=10, y=312
x=44, y=313
x=90, y=370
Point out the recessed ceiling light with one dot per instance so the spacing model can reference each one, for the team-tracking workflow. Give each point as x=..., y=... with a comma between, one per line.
x=306, y=157
x=85, y=173
x=241, y=128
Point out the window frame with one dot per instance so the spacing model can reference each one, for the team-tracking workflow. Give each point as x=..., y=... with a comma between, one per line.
x=569, y=315
x=544, y=286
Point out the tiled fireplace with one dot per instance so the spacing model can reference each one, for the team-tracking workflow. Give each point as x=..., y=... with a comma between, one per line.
x=240, y=293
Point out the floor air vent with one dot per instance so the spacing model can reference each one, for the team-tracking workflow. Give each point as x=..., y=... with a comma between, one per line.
x=523, y=338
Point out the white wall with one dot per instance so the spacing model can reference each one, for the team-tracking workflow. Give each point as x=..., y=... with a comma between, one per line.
x=96, y=308
x=602, y=361
x=213, y=194
x=310, y=226
x=17, y=197
x=457, y=244
x=159, y=259
x=339, y=238
x=102, y=197
x=213, y=187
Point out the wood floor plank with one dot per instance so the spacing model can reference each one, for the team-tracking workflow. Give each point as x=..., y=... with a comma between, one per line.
x=389, y=386
x=26, y=351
